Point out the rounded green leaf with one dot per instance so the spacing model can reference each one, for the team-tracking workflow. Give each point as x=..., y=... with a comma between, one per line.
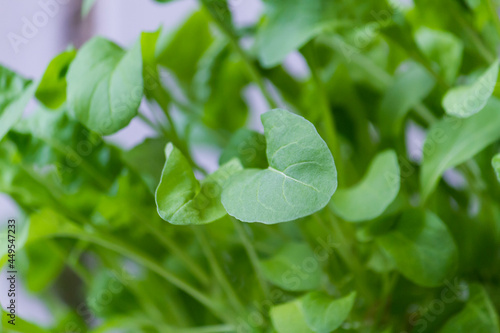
x=300, y=180
x=324, y=314
x=105, y=85
x=293, y=268
x=422, y=248
x=464, y=101
x=373, y=194
x=52, y=88
x=181, y=199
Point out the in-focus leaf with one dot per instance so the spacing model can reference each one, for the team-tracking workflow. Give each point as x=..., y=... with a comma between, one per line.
x=52, y=88
x=452, y=141
x=373, y=194
x=105, y=85
x=300, y=180
x=291, y=268
x=422, y=248
x=464, y=101
x=249, y=147
x=181, y=199
x=478, y=316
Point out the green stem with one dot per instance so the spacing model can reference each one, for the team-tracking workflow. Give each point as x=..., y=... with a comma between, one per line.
x=252, y=255
x=113, y=244
x=217, y=269
x=180, y=253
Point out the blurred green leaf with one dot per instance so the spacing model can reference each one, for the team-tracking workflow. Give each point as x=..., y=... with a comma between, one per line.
x=452, y=141
x=422, y=248
x=373, y=194
x=465, y=101
x=295, y=268
x=52, y=88
x=478, y=316
x=105, y=85
x=249, y=147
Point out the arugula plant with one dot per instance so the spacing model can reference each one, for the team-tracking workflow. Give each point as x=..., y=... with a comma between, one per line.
x=399, y=109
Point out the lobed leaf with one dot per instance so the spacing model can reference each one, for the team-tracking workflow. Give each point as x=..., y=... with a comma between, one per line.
x=300, y=180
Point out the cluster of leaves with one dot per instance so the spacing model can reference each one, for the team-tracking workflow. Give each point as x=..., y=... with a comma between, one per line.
x=145, y=240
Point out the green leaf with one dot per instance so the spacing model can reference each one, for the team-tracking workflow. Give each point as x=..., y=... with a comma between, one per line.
x=105, y=85
x=150, y=172
x=422, y=248
x=452, y=141
x=249, y=147
x=300, y=180
x=288, y=318
x=15, y=93
x=219, y=84
x=495, y=162
x=280, y=34
x=478, y=316
x=181, y=199
x=52, y=88
x=324, y=314
x=442, y=48
x=315, y=312
x=408, y=89
x=464, y=101
x=373, y=194
x=295, y=268
x=179, y=52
